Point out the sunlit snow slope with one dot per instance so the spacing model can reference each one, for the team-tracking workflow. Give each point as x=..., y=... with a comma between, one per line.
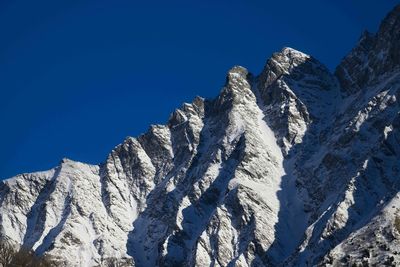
x=294, y=167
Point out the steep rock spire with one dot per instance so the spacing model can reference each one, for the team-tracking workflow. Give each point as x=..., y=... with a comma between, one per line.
x=374, y=55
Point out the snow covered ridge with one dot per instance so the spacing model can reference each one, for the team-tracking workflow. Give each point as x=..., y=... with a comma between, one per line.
x=293, y=167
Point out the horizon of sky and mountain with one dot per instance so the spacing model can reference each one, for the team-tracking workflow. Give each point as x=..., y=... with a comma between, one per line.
x=77, y=78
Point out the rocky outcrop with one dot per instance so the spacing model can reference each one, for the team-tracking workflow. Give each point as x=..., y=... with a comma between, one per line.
x=374, y=57
x=295, y=166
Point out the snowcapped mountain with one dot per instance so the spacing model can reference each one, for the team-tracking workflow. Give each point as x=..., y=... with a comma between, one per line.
x=294, y=167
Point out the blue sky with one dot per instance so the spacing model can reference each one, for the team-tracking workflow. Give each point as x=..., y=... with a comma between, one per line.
x=77, y=77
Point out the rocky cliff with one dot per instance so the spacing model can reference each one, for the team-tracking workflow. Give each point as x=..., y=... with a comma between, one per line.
x=295, y=166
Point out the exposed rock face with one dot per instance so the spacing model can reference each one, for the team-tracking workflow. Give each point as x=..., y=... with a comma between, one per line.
x=293, y=167
x=374, y=56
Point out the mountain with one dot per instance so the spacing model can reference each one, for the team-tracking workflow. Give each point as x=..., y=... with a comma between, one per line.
x=293, y=167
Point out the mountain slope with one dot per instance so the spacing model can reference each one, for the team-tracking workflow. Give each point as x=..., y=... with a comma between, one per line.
x=294, y=167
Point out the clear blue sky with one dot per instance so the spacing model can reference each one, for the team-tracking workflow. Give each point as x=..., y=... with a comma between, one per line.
x=77, y=77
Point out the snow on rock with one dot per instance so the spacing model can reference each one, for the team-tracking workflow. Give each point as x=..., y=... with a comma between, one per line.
x=294, y=167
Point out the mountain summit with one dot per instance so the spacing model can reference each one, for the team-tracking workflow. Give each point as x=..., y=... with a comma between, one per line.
x=293, y=167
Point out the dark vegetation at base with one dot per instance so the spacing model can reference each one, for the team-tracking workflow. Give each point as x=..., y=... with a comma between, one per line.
x=397, y=223
x=12, y=256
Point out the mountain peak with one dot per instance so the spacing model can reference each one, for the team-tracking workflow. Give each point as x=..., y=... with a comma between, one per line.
x=66, y=160
x=293, y=63
x=293, y=53
x=237, y=72
x=235, y=78
x=373, y=56
x=392, y=21
x=278, y=170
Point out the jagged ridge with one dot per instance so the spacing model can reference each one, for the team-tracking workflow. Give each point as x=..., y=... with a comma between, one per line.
x=293, y=167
